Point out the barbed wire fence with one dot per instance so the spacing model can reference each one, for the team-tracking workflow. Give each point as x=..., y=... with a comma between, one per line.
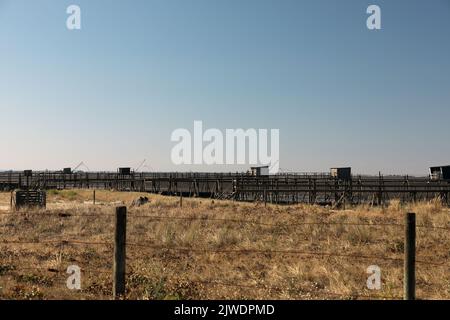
x=118, y=246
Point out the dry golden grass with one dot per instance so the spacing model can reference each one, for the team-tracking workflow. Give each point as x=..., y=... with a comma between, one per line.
x=334, y=268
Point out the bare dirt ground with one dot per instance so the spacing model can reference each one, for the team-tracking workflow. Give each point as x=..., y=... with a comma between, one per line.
x=218, y=249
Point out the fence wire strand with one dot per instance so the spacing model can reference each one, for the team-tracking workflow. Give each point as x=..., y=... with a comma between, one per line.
x=224, y=220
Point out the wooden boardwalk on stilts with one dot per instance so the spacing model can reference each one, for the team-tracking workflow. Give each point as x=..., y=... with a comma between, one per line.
x=283, y=189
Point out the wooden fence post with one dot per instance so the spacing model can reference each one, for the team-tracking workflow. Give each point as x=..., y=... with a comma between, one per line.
x=119, y=252
x=94, y=197
x=265, y=198
x=409, y=278
x=181, y=199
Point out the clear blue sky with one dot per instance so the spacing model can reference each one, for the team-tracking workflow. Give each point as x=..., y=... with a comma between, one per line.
x=111, y=93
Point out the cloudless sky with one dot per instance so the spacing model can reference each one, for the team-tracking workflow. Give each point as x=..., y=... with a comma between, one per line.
x=111, y=93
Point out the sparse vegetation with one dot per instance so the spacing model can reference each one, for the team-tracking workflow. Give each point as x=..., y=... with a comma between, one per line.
x=208, y=271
